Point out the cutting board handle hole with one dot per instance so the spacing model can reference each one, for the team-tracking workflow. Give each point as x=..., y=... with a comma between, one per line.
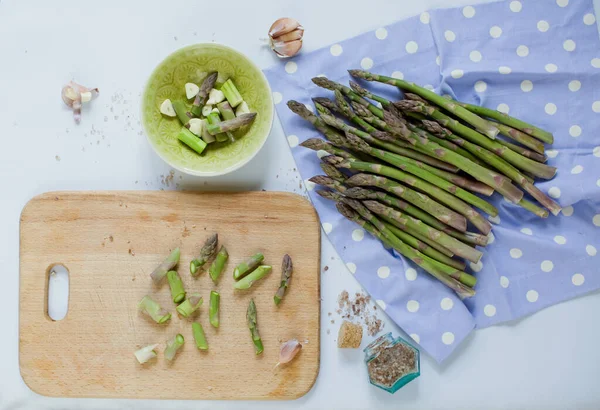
x=57, y=291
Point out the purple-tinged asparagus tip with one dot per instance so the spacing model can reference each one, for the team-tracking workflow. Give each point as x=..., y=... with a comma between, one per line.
x=358, y=143
x=324, y=82
x=346, y=211
x=334, y=196
x=300, y=109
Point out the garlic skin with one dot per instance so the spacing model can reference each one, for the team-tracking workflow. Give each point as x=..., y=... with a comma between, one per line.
x=285, y=37
x=74, y=95
x=288, y=351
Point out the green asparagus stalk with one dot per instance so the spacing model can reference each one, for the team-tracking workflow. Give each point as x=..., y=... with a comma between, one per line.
x=231, y=125
x=438, y=211
x=317, y=144
x=247, y=267
x=331, y=85
x=218, y=264
x=332, y=172
x=520, y=137
x=523, y=151
x=226, y=111
x=506, y=168
x=213, y=309
x=506, y=119
x=286, y=276
x=231, y=93
x=301, y=110
x=214, y=119
x=414, y=235
x=173, y=346
x=328, y=182
x=360, y=215
x=176, y=285
x=194, y=142
x=200, y=99
x=151, y=308
x=199, y=336
x=526, y=164
x=466, y=237
x=247, y=281
x=190, y=305
x=182, y=112
x=169, y=263
x=208, y=249
x=462, y=113
x=251, y=318
x=401, y=220
x=417, y=169
x=146, y=353
x=363, y=92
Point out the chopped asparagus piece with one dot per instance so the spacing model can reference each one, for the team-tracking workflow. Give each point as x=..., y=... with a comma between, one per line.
x=242, y=109
x=177, y=290
x=151, y=308
x=172, y=346
x=231, y=125
x=146, y=353
x=215, y=97
x=205, y=134
x=190, y=305
x=226, y=110
x=199, y=336
x=208, y=249
x=169, y=263
x=202, y=96
x=192, y=141
x=182, y=112
x=245, y=268
x=191, y=90
x=286, y=276
x=231, y=93
x=215, y=110
x=251, y=318
x=167, y=109
x=247, y=281
x=214, y=119
x=218, y=264
x=195, y=125
x=213, y=309
x=206, y=110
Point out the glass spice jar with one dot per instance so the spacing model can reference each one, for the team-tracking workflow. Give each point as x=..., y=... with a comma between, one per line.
x=392, y=363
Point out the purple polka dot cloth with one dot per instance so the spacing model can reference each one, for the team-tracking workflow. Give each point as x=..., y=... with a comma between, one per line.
x=538, y=61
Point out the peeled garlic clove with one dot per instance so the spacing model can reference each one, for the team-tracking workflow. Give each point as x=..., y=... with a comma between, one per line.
x=215, y=96
x=206, y=110
x=288, y=351
x=283, y=26
x=195, y=126
x=191, y=90
x=167, y=109
x=286, y=50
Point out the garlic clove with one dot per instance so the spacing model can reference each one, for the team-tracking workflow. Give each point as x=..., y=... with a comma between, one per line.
x=167, y=109
x=291, y=36
x=215, y=110
x=195, y=126
x=286, y=50
x=86, y=96
x=215, y=96
x=283, y=26
x=191, y=90
x=288, y=351
x=73, y=95
x=206, y=110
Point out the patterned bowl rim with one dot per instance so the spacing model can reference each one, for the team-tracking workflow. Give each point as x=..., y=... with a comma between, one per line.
x=237, y=165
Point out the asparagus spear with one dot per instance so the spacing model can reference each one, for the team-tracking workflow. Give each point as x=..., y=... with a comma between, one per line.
x=523, y=151
x=226, y=110
x=231, y=93
x=375, y=227
x=213, y=309
x=247, y=281
x=208, y=249
x=328, y=182
x=251, y=318
x=176, y=285
x=218, y=264
x=332, y=172
x=286, y=276
x=231, y=125
x=363, y=92
x=188, y=138
x=190, y=305
x=182, y=113
x=415, y=168
x=506, y=119
x=520, y=137
x=169, y=263
x=331, y=85
x=200, y=99
x=505, y=168
x=462, y=113
x=151, y=308
x=199, y=336
x=146, y=353
x=214, y=120
x=245, y=268
x=438, y=211
x=173, y=346
x=317, y=144
x=466, y=237
x=526, y=164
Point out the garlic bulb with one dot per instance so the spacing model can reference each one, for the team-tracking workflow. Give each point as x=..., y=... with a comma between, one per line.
x=74, y=95
x=286, y=37
x=288, y=351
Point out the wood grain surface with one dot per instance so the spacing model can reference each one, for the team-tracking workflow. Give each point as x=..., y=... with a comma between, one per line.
x=111, y=241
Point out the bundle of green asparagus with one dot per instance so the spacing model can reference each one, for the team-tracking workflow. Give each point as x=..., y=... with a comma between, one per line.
x=415, y=173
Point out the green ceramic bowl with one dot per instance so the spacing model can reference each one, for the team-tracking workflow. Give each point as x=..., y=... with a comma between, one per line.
x=192, y=64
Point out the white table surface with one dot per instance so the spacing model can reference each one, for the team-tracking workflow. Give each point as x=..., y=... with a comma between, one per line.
x=548, y=361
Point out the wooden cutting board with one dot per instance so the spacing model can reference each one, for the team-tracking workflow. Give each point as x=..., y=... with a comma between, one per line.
x=111, y=241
